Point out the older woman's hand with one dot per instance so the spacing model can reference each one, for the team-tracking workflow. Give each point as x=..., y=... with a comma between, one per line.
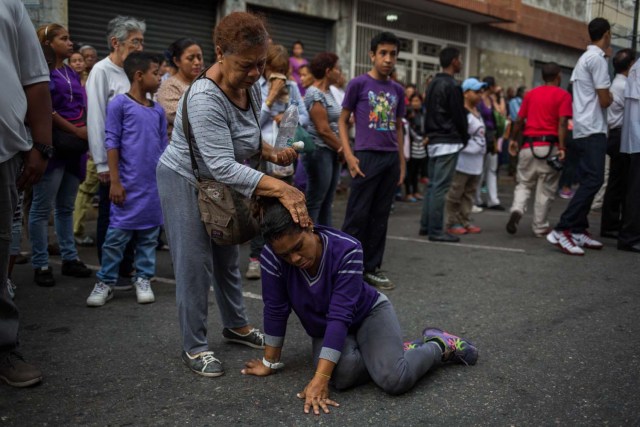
x=283, y=157
x=293, y=199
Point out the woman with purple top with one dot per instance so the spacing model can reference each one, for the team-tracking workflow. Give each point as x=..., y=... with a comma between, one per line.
x=59, y=185
x=317, y=272
x=295, y=62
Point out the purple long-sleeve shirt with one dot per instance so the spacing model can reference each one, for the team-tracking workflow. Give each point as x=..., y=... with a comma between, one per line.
x=331, y=304
x=140, y=133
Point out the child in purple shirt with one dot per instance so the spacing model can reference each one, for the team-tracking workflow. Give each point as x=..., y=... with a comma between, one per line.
x=317, y=273
x=136, y=136
x=377, y=163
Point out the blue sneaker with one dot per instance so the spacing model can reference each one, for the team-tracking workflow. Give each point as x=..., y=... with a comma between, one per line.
x=456, y=349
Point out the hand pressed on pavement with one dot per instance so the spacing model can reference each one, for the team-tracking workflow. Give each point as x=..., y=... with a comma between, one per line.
x=316, y=395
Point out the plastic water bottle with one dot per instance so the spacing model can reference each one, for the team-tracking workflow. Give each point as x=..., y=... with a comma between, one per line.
x=287, y=128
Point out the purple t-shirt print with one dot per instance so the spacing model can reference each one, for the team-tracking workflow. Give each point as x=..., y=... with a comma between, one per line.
x=376, y=106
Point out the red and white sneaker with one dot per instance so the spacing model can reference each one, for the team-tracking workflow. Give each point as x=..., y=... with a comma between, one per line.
x=584, y=240
x=565, y=242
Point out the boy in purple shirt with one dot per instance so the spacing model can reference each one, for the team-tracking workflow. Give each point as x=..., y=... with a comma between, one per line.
x=376, y=163
x=136, y=136
x=317, y=272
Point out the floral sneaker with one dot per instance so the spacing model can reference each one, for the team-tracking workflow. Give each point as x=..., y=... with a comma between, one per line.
x=410, y=345
x=456, y=349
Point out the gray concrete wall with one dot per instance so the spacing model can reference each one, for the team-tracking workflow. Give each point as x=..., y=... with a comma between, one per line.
x=511, y=57
x=340, y=11
x=43, y=12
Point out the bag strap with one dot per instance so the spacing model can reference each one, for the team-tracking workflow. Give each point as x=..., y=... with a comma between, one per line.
x=188, y=132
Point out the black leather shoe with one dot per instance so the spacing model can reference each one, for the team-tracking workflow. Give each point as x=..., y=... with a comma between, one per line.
x=75, y=268
x=446, y=237
x=498, y=208
x=629, y=248
x=44, y=277
x=514, y=220
x=609, y=234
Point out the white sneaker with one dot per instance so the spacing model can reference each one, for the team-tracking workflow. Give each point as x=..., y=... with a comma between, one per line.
x=11, y=288
x=100, y=294
x=476, y=209
x=144, y=294
x=584, y=240
x=565, y=242
x=253, y=270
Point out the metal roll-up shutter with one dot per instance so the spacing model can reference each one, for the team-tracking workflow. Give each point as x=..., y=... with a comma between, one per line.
x=285, y=28
x=166, y=21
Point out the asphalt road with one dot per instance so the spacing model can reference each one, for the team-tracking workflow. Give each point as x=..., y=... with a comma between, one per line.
x=557, y=336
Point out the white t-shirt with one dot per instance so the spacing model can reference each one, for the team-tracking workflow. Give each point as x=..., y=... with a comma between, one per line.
x=590, y=74
x=106, y=80
x=22, y=64
x=616, y=109
x=630, y=142
x=470, y=159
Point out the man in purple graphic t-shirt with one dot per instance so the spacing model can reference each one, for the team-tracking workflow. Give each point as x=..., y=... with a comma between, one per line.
x=376, y=163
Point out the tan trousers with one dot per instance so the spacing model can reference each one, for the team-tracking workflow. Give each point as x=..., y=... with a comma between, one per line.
x=86, y=191
x=535, y=174
x=460, y=199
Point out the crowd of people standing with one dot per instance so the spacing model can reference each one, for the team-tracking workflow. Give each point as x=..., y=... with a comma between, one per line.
x=221, y=121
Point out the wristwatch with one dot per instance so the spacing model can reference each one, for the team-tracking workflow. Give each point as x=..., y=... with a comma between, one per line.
x=275, y=366
x=45, y=150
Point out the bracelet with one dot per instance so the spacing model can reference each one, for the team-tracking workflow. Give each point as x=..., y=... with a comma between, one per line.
x=275, y=366
x=323, y=375
x=562, y=149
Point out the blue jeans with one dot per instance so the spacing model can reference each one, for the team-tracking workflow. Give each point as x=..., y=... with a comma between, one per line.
x=591, y=152
x=57, y=189
x=323, y=172
x=441, y=170
x=113, y=251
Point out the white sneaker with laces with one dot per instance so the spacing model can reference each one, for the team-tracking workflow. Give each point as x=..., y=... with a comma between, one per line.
x=584, y=240
x=564, y=241
x=11, y=287
x=476, y=209
x=253, y=270
x=100, y=295
x=144, y=294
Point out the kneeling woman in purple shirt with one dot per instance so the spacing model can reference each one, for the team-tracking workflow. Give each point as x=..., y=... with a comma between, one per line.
x=317, y=272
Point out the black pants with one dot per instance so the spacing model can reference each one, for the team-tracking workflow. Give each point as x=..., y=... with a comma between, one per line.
x=104, y=211
x=613, y=203
x=630, y=230
x=369, y=203
x=414, y=166
x=591, y=152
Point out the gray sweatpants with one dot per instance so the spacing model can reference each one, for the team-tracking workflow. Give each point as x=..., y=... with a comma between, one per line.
x=9, y=170
x=376, y=353
x=198, y=263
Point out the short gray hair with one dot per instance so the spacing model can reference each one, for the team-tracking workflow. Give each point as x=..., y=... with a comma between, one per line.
x=87, y=47
x=120, y=27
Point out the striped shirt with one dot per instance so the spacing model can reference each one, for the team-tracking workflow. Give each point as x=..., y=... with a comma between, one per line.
x=225, y=137
x=330, y=304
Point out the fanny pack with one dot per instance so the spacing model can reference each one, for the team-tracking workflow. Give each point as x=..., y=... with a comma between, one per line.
x=226, y=214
